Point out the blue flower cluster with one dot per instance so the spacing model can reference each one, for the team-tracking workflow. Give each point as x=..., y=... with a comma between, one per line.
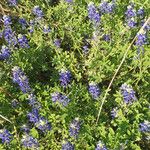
x=140, y=42
x=5, y=136
x=94, y=90
x=93, y=13
x=23, y=23
x=114, y=112
x=5, y=53
x=67, y=146
x=7, y=20
x=21, y=79
x=33, y=115
x=33, y=102
x=100, y=146
x=106, y=8
x=141, y=12
x=38, y=12
x=145, y=126
x=23, y=42
x=57, y=42
x=39, y=121
x=106, y=37
x=74, y=127
x=128, y=93
x=12, y=2
x=65, y=78
x=69, y=1
x=29, y=142
x=10, y=36
x=131, y=16
x=58, y=97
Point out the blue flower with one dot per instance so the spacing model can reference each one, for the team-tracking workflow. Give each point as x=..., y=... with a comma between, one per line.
x=141, y=40
x=5, y=53
x=131, y=16
x=9, y=36
x=23, y=41
x=67, y=146
x=93, y=13
x=12, y=2
x=65, y=77
x=140, y=12
x=128, y=93
x=131, y=22
x=100, y=146
x=58, y=97
x=33, y=102
x=145, y=126
x=114, y=112
x=94, y=90
x=130, y=12
x=38, y=12
x=74, y=127
x=39, y=122
x=69, y=1
x=5, y=136
x=33, y=115
x=23, y=23
x=106, y=37
x=57, y=42
x=7, y=20
x=106, y=8
x=29, y=142
x=21, y=79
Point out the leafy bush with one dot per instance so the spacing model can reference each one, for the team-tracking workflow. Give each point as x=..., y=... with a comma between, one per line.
x=74, y=74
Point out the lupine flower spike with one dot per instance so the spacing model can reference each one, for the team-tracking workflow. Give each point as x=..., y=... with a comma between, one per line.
x=58, y=97
x=5, y=136
x=93, y=13
x=94, y=90
x=38, y=12
x=67, y=146
x=21, y=79
x=5, y=53
x=145, y=126
x=29, y=142
x=74, y=127
x=128, y=93
x=65, y=78
x=12, y=2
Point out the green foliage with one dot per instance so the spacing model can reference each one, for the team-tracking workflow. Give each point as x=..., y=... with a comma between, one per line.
x=43, y=61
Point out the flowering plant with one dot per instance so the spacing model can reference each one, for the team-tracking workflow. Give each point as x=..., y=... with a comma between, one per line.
x=74, y=75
